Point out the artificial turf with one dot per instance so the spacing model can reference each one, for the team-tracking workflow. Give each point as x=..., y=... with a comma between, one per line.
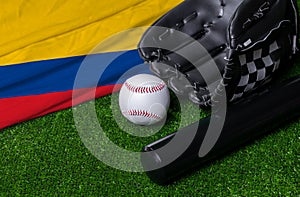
x=47, y=157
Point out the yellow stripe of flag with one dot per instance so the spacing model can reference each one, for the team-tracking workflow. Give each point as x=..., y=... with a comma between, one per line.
x=33, y=30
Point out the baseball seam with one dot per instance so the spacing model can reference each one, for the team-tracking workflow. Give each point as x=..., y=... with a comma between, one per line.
x=143, y=113
x=144, y=90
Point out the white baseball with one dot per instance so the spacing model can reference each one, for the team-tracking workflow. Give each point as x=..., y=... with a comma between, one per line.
x=144, y=99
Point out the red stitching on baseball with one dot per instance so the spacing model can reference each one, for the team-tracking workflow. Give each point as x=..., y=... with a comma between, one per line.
x=144, y=90
x=143, y=113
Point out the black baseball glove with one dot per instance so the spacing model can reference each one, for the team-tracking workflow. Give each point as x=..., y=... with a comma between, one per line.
x=249, y=41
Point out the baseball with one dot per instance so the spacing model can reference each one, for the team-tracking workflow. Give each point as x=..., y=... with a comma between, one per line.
x=144, y=99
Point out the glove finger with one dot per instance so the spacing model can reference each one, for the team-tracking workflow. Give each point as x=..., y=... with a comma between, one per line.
x=163, y=70
x=180, y=85
x=193, y=81
x=197, y=19
x=213, y=69
x=199, y=98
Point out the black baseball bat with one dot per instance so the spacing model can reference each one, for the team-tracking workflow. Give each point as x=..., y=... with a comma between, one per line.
x=244, y=122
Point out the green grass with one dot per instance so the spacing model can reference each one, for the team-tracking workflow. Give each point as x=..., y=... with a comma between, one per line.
x=46, y=157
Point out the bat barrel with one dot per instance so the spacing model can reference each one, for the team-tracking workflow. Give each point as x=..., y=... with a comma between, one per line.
x=244, y=121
